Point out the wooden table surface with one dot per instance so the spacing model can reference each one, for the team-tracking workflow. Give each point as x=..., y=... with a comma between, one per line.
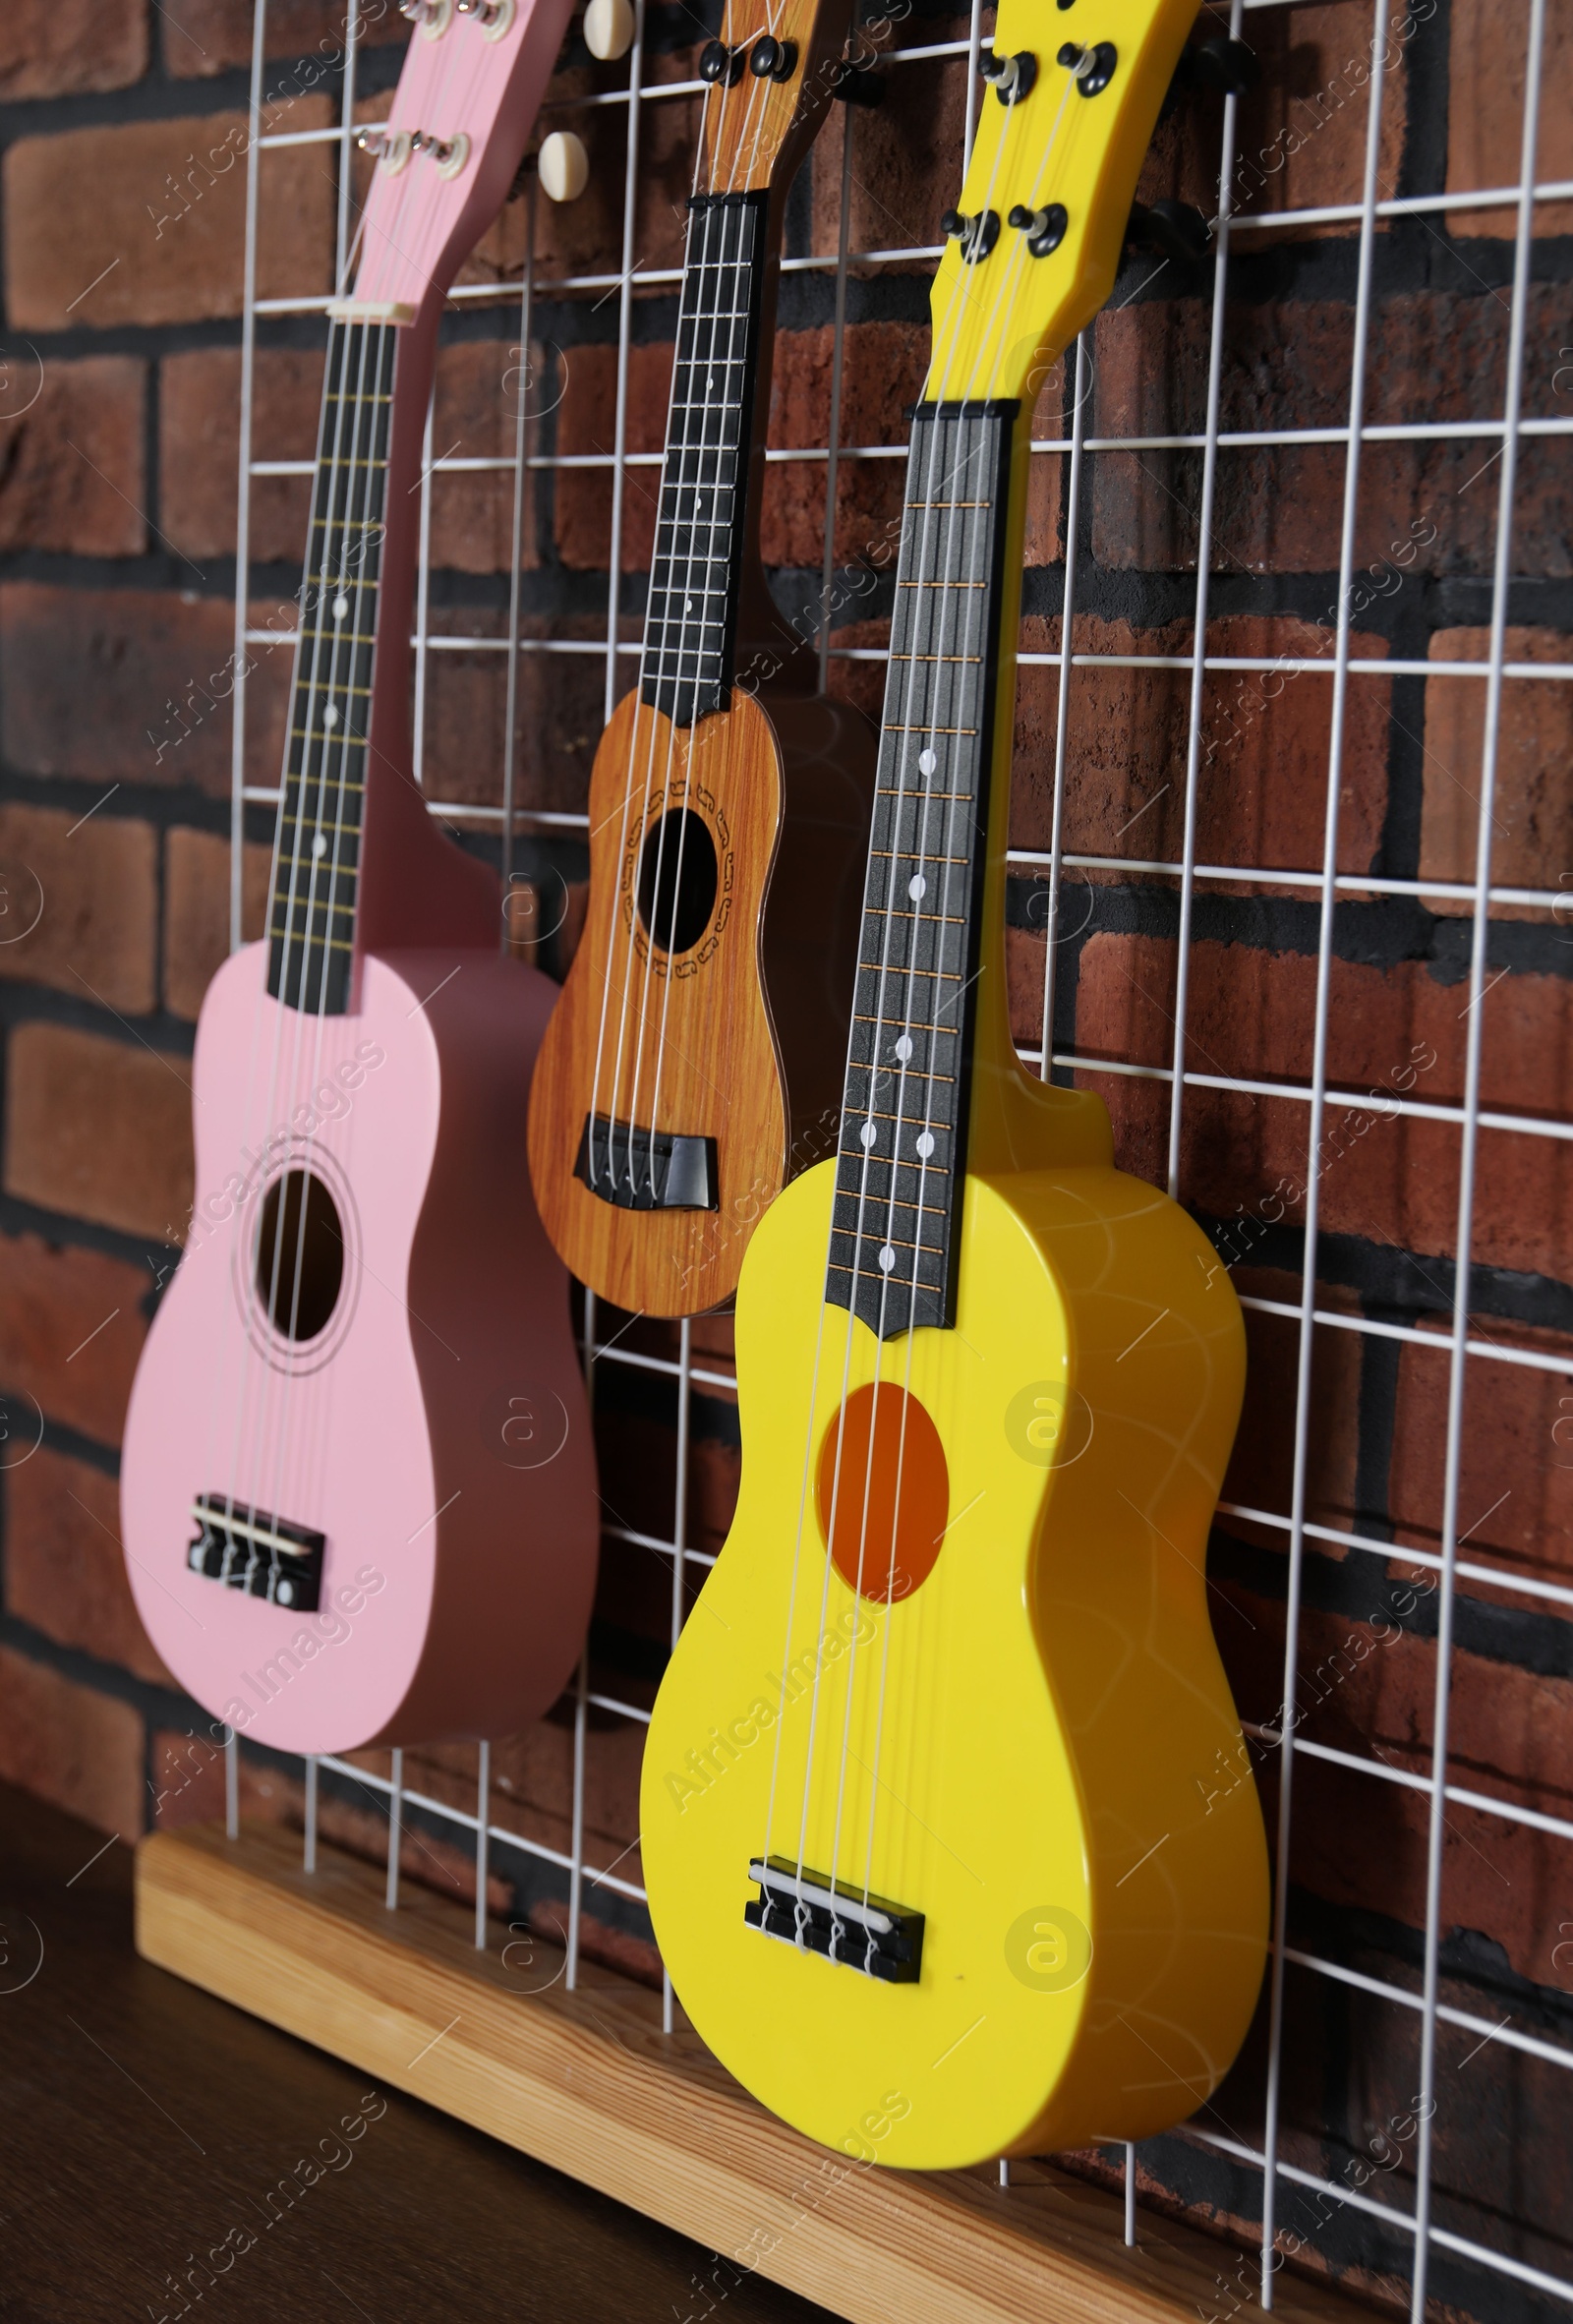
x=143, y=2125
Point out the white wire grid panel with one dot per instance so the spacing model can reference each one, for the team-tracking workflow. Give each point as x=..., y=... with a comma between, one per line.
x=1272, y=2179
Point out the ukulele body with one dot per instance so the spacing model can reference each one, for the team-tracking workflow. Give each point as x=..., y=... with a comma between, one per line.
x=432, y=1432
x=1062, y=1789
x=735, y=1036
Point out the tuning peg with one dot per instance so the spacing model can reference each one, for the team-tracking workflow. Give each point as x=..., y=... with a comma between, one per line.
x=609, y=29
x=1172, y=229
x=1044, y=228
x=433, y=16
x=563, y=166
x=1216, y=63
x=1009, y=76
x=771, y=59
x=855, y=82
x=495, y=17
x=718, y=62
x=1093, y=64
x=976, y=235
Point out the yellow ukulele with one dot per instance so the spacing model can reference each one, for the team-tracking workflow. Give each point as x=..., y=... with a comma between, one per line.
x=936, y=1848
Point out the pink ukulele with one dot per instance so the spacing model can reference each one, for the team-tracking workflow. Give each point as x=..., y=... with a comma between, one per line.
x=358, y=1493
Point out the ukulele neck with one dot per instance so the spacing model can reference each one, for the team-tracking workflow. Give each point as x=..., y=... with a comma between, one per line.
x=901, y=1160
x=695, y=582
x=316, y=857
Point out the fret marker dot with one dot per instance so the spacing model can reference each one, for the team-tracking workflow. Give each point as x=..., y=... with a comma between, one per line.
x=319, y=847
x=926, y=762
x=330, y=716
x=868, y=1134
x=341, y=606
x=903, y=1047
x=925, y=1143
x=916, y=887
x=886, y=1259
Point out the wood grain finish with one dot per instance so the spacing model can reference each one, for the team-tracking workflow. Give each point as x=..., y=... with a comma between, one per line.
x=587, y=2082
x=157, y=2145
x=751, y=129
x=690, y=1041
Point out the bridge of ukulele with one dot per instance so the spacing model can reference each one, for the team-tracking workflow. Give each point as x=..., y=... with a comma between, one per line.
x=247, y=1548
x=635, y=1169
x=867, y=1933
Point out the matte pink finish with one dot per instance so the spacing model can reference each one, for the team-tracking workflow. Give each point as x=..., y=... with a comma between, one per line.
x=449, y=1358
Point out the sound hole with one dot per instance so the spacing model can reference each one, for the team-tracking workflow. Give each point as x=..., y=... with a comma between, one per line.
x=675, y=905
x=300, y=1254
x=883, y=1434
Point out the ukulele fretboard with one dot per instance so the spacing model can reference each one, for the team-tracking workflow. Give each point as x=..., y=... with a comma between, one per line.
x=316, y=857
x=901, y=1158
x=690, y=622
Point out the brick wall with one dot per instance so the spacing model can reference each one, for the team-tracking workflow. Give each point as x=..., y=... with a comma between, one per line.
x=117, y=544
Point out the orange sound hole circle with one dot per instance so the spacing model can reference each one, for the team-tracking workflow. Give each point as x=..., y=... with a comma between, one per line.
x=891, y=1498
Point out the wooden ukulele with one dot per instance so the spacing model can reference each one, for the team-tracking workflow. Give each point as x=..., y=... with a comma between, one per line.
x=358, y=1492
x=936, y=1848
x=689, y=1068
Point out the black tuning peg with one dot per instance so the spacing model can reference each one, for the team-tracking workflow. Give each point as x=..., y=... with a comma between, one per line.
x=1172, y=229
x=1217, y=64
x=718, y=62
x=855, y=82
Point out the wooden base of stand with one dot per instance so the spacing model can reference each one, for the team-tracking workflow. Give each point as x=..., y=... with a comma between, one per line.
x=586, y=2081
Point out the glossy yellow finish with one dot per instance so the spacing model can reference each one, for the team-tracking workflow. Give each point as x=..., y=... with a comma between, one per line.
x=1036, y=1749
x=1058, y=1752
x=1001, y=323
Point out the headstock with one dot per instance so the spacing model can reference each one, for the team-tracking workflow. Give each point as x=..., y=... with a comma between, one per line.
x=1062, y=131
x=770, y=74
x=473, y=78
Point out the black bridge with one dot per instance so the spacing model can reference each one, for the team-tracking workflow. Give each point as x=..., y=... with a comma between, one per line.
x=868, y=1933
x=636, y=1169
x=248, y=1549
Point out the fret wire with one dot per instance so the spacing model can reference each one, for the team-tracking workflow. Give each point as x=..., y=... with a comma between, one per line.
x=951, y=551
x=335, y=662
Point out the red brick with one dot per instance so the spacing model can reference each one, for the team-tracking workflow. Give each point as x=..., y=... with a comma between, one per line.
x=1252, y=1015
x=187, y=1780
x=94, y=889
x=99, y=1130
x=559, y=715
x=1287, y=367
x=1366, y=1688
x=882, y=374
x=1260, y=1472
x=71, y=1331
x=95, y=234
x=65, y=1566
x=202, y=38
x=1302, y=133
x=1046, y=476
x=59, y=47
x=586, y=236
x=199, y=455
x=131, y=686
x=479, y=383
x=71, y=456
x=907, y=156
x=79, y=1749
x=1485, y=114
x=1532, y=813
x=1515, y=1466
x=1266, y=740
x=197, y=911
x=586, y=423
x=269, y=1796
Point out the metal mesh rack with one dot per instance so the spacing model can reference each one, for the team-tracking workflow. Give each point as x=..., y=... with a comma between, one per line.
x=1414, y=2236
